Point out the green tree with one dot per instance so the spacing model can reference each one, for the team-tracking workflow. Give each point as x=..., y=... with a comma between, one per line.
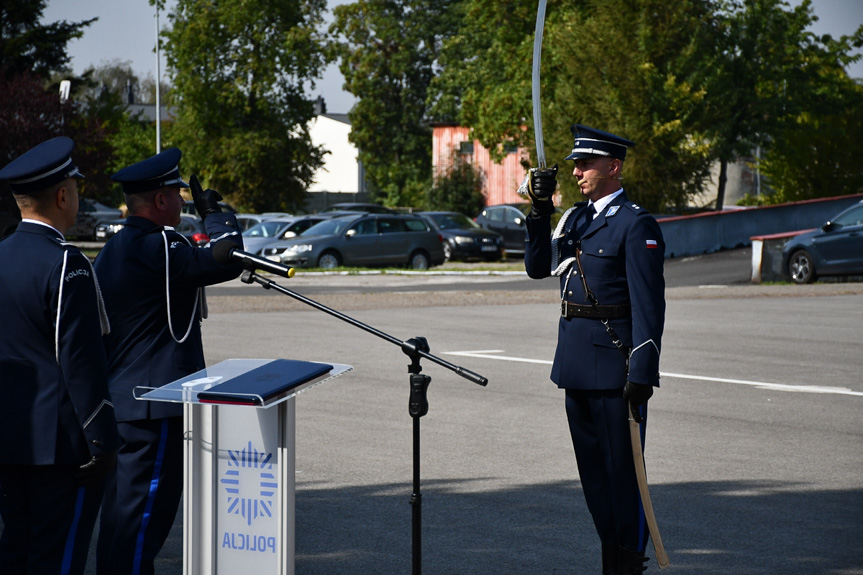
x=630, y=75
x=691, y=82
x=637, y=77
x=33, y=59
x=767, y=75
x=31, y=47
x=459, y=188
x=387, y=52
x=239, y=71
x=815, y=155
x=485, y=72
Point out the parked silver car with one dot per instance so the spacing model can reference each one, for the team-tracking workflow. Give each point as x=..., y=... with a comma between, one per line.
x=365, y=240
x=268, y=231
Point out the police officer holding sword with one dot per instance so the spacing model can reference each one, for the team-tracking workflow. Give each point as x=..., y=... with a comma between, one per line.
x=609, y=254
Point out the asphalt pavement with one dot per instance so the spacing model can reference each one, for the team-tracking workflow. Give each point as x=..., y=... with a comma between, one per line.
x=753, y=447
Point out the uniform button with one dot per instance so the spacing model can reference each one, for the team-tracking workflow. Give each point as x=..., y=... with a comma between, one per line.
x=569, y=242
x=569, y=293
x=600, y=250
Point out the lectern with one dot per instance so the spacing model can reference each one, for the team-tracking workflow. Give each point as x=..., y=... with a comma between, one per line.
x=238, y=514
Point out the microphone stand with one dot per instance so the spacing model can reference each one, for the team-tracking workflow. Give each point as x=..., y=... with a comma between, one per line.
x=414, y=348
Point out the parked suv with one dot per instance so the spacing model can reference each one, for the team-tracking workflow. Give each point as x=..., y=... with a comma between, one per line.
x=362, y=240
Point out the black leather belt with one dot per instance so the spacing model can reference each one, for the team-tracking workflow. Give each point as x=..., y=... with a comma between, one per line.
x=570, y=310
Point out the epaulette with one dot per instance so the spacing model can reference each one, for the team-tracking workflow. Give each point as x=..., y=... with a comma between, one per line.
x=635, y=208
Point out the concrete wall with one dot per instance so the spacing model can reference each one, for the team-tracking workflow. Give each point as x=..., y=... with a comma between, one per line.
x=713, y=231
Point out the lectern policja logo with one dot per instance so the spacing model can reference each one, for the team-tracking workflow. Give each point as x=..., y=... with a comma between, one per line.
x=250, y=483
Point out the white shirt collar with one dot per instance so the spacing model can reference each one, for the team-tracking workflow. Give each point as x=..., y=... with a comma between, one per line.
x=29, y=221
x=602, y=202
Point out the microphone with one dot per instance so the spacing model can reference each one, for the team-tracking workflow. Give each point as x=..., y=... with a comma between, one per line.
x=227, y=253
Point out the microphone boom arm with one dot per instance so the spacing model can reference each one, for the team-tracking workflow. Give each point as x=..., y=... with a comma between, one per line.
x=409, y=347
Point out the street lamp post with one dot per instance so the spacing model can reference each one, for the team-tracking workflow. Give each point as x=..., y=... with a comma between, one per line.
x=158, y=81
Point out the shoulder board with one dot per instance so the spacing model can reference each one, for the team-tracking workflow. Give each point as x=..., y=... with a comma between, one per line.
x=632, y=206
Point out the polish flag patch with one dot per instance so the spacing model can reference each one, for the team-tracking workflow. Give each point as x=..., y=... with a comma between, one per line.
x=651, y=244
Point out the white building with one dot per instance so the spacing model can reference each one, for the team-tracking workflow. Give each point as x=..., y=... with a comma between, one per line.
x=341, y=178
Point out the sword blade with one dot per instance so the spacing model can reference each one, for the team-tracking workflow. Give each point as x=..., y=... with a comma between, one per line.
x=537, y=110
x=641, y=475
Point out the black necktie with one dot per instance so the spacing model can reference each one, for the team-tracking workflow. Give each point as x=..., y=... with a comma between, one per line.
x=589, y=212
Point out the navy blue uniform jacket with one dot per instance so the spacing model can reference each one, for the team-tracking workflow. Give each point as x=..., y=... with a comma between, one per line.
x=53, y=380
x=622, y=255
x=141, y=348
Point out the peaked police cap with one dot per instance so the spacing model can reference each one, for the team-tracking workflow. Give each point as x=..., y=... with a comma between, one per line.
x=159, y=171
x=47, y=164
x=590, y=142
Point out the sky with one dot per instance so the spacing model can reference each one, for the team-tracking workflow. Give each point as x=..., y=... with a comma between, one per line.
x=126, y=31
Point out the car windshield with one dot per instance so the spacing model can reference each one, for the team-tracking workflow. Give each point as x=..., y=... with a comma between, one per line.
x=267, y=229
x=331, y=227
x=453, y=221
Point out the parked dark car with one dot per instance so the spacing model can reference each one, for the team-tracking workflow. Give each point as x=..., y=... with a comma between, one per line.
x=90, y=214
x=362, y=240
x=509, y=221
x=283, y=228
x=836, y=248
x=463, y=238
x=359, y=207
x=190, y=226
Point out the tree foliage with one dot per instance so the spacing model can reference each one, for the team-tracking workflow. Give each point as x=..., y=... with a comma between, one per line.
x=692, y=82
x=239, y=70
x=26, y=46
x=30, y=107
x=387, y=52
x=485, y=72
x=766, y=73
x=816, y=156
x=457, y=189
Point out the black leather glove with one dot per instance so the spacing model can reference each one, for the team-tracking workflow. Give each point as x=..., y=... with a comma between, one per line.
x=636, y=395
x=96, y=469
x=543, y=184
x=206, y=201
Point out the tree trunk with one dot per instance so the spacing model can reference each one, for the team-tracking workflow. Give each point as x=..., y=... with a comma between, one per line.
x=723, y=178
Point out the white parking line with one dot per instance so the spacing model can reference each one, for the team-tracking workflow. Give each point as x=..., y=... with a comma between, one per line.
x=491, y=354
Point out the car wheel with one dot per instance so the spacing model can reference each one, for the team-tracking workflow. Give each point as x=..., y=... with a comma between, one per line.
x=447, y=251
x=419, y=261
x=801, y=267
x=329, y=260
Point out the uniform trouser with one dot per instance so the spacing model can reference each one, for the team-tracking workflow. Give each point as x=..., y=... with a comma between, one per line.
x=48, y=519
x=599, y=426
x=142, y=497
